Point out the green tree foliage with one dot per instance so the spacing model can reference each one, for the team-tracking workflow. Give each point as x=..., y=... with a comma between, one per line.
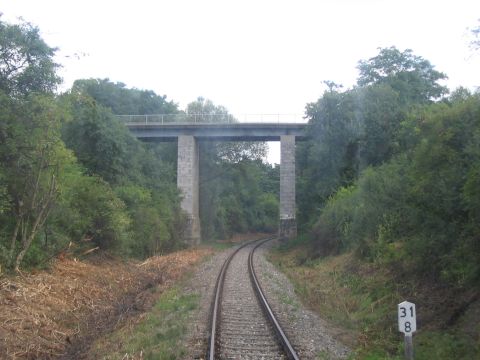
x=157, y=221
x=72, y=176
x=206, y=112
x=141, y=175
x=421, y=207
x=32, y=154
x=238, y=198
x=91, y=212
x=119, y=99
x=394, y=175
x=122, y=100
x=26, y=61
x=100, y=142
x=411, y=76
x=33, y=157
x=353, y=214
x=382, y=113
x=363, y=126
x=102, y=188
x=329, y=159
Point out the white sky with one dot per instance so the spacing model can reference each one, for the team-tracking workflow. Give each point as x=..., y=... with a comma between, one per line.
x=250, y=56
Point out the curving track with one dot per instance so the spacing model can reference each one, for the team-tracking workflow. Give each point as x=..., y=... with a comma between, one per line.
x=242, y=323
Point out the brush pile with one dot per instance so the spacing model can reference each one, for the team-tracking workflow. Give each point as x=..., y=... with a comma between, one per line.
x=42, y=314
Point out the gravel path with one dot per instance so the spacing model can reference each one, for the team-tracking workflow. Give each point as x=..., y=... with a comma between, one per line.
x=307, y=332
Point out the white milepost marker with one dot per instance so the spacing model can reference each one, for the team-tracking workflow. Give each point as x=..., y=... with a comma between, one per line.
x=407, y=324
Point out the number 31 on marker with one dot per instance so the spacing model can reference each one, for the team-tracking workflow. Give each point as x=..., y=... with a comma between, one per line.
x=407, y=321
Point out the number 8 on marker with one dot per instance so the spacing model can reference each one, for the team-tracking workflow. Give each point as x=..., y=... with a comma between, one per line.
x=407, y=322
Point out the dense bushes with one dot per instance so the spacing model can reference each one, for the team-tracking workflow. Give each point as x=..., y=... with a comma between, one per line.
x=420, y=209
x=140, y=181
x=34, y=161
x=111, y=191
x=393, y=174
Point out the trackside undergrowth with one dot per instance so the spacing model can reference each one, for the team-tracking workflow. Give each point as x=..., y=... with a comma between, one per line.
x=362, y=298
x=156, y=335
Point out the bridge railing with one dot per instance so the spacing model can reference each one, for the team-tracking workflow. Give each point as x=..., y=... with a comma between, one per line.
x=164, y=119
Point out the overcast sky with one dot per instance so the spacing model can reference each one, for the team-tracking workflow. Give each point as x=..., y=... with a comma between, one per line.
x=250, y=56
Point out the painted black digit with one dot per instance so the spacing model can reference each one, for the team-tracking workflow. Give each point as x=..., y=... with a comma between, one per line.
x=404, y=312
x=408, y=326
x=411, y=311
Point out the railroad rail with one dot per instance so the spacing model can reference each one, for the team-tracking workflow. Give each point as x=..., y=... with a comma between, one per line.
x=239, y=323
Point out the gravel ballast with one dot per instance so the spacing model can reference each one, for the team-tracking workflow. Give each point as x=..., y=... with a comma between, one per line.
x=308, y=333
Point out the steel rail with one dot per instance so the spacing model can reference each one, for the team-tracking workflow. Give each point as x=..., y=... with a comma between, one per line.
x=216, y=306
x=286, y=345
x=215, y=312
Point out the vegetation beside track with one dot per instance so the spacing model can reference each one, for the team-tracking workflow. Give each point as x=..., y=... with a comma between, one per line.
x=156, y=335
x=62, y=311
x=362, y=299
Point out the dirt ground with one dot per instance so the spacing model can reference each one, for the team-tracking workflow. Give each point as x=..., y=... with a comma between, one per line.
x=58, y=312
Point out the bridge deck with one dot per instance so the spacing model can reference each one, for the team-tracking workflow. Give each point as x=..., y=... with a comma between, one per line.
x=217, y=131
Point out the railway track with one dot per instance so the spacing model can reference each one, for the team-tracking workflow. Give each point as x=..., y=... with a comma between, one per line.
x=242, y=324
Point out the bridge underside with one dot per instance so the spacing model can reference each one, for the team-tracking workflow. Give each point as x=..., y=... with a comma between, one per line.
x=188, y=136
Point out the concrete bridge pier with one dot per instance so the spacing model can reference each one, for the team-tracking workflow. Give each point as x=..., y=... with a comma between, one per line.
x=187, y=182
x=288, y=224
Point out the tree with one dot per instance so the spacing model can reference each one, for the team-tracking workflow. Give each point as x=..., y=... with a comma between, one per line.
x=122, y=100
x=329, y=158
x=33, y=156
x=353, y=129
x=207, y=111
x=413, y=77
x=420, y=209
x=26, y=61
x=99, y=141
x=138, y=175
x=48, y=198
x=382, y=112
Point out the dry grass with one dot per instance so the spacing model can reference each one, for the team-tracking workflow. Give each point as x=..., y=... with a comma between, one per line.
x=42, y=314
x=362, y=298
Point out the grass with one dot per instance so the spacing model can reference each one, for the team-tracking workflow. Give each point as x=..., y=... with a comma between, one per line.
x=219, y=246
x=236, y=239
x=158, y=335
x=361, y=298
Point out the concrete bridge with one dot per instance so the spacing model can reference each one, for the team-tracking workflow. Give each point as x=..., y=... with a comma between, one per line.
x=188, y=133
